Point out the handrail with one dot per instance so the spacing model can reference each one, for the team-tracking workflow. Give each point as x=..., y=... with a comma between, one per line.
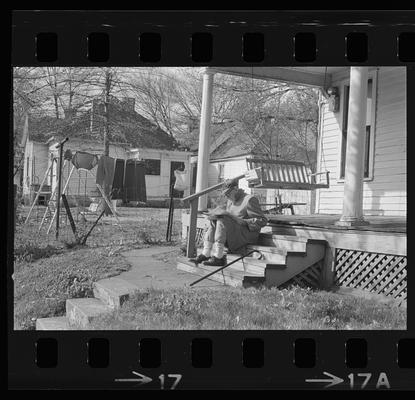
x=227, y=265
x=209, y=189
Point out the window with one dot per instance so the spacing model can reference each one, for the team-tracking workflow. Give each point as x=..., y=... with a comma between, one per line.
x=152, y=167
x=369, y=130
x=221, y=177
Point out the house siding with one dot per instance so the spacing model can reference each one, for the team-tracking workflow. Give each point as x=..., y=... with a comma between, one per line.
x=158, y=186
x=385, y=193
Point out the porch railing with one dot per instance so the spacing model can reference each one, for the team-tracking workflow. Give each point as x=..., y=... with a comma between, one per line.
x=194, y=202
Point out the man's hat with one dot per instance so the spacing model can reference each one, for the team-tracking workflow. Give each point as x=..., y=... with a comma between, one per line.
x=228, y=185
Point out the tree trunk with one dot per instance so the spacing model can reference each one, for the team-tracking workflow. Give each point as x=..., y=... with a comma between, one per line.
x=106, y=113
x=56, y=106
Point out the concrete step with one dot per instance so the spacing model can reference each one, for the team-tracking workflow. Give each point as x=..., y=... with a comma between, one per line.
x=227, y=276
x=80, y=312
x=52, y=324
x=113, y=291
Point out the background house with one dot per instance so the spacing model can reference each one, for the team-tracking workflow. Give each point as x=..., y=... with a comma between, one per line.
x=131, y=137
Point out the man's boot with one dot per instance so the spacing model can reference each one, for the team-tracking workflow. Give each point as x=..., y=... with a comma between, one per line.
x=200, y=258
x=205, y=255
x=218, y=259
x=216, y=262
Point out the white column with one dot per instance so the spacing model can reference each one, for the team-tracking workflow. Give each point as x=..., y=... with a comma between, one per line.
x=355, y=149
x=204, y=138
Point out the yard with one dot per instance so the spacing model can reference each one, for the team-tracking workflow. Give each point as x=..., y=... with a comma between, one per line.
x=47, y=272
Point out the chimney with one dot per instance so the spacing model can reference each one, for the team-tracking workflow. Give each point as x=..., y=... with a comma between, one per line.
x=70, y=113
x=128, y=104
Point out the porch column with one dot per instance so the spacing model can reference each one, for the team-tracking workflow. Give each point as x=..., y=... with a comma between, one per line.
x=204, y=138
x=355, y=149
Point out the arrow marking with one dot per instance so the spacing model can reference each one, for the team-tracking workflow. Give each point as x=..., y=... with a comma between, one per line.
x=335, y=380
x=142, y=380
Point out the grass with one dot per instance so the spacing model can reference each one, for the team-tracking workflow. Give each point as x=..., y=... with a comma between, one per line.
x=49, y=271
x=236, y=308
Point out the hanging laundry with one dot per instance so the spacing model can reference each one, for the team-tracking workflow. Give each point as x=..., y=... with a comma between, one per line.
x=68, y=155
x=84, y=160
x=135, y=183
x=182, y=179
x=105, y=177
x=105, y=171
x=118, y=182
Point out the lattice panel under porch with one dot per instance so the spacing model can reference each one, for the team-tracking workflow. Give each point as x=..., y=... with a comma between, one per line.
x=308, y=278
x=377, y=273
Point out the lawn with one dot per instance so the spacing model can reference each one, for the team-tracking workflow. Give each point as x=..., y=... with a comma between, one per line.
x=236, y=308
x=49, y=271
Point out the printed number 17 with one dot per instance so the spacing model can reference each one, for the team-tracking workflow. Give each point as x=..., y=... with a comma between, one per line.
x=177, y=378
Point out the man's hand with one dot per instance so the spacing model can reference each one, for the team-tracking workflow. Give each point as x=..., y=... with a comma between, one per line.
x=238, y=220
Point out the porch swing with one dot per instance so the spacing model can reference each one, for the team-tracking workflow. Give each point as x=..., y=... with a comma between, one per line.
x=280, y=174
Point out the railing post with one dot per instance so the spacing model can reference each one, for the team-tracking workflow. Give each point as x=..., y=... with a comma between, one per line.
x=191, y=236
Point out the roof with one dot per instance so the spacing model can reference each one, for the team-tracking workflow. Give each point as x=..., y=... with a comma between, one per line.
x=126, y=126
x=227, y=140
x=221, y=133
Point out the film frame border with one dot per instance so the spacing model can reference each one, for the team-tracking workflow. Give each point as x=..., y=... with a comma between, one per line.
x=278, y=368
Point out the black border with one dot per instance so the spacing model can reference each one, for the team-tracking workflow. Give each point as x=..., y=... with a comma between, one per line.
x=227, y=371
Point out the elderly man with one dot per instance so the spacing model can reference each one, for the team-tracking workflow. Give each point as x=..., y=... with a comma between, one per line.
x=234, y=227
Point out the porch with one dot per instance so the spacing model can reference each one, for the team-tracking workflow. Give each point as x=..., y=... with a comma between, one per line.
x=367, y=258
x=353, y=250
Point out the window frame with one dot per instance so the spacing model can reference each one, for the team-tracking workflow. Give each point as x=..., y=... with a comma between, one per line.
x=146, y=166
x=221, y=172
x=373, y=75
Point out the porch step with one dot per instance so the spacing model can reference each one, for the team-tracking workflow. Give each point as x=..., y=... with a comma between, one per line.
x=80, y=312
x=228, y=276
x=113, y=291
x=52, y=324
x=253, y=265
x=296, y=263
x=282, y=243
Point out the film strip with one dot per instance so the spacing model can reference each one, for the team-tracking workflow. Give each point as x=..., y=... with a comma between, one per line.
x=216, y=359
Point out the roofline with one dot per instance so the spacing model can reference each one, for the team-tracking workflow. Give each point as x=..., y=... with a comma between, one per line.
x=163, y=150
x=89, y=140
x=243, y=155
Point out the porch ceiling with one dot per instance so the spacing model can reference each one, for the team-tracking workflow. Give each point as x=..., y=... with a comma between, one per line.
x=308, y=76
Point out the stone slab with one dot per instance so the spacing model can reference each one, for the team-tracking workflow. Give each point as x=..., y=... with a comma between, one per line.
x=52, y=324
x=80, y=312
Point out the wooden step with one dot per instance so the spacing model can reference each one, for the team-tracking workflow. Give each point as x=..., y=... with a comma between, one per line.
x=254, y=265
x=228, y=276
x=282, y=243
x=296, y=263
